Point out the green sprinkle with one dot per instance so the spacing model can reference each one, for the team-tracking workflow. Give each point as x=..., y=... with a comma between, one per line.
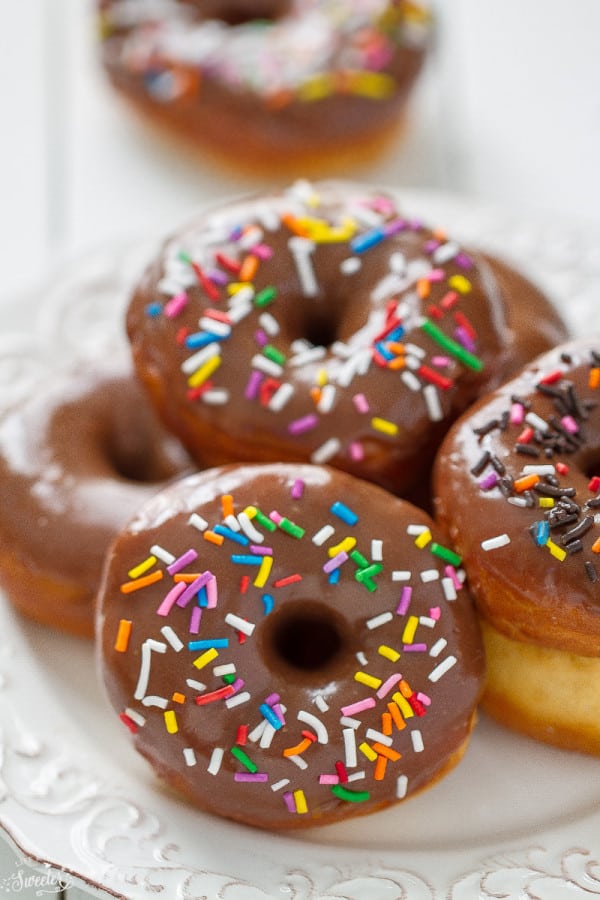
x=361, y=561
x=352, y=796
x=291, y=528
x=451, y=346
x=229, y=678
x=184, y=257
x=274, y=354
x=263, y=520
x=244, y=759
x=446, y=554
x=266, y=296
x=365, y=576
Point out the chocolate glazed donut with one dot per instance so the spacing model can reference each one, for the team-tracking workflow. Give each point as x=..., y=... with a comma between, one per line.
x=76, y=460
x=288, y=646
x=322, y=325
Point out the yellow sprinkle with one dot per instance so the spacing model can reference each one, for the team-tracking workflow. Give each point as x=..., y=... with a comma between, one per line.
x=423, y=539
x=384, y=425
x=236, y=286
x=263, y=572
x=546, y=502
x=178, y=697
x=403, y=704
x=368, y=680
x=204, y=372
x=408, y=635
x=123, y=634
x=344, y=546
x=142, y=567
x=206, y=658
x=376, y=85
x=367, y=750
x=556, y=551
x=251, y=511
x=316, y=88
x=300, y=801
x=171, y=721
x=389, y=653
x=460, y=283
x=322, y=378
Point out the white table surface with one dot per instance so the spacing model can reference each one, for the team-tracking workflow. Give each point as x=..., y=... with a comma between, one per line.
x=507, y=111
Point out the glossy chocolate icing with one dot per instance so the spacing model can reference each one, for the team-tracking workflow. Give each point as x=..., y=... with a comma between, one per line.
x=307, y=638
x=368, y=295
x=529, y=589
x=76, y=459
x=273, y=79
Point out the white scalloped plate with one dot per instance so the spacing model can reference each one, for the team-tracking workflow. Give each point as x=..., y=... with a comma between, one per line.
x=514, y=819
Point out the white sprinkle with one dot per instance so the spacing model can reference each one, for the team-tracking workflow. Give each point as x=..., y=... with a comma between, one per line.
x=362, y=659
x=171, y=286
x=267, y=216
x=445, y=252
x=237, y=699
x=327, y=398
x=390, y=284
x=216, y=397
x=299, y=345
x=269, y=324
x=449, y=588
x=240, y=624
x=321, y=703
x=215, y=760
x=326, y=451
x=376, y=550
x=263, y=364
x=281, y=397
x=536, y=422
x=196, y=521
x=153, y=700
x=323, y=534
x=379, y=620
x=539, y=470
x=433, y=403
x=401, y=787
x=350, y=265
x=417, y=741
x=349, y=722
x=357, y=364
x=257, y=732
x=189, y=756
x=251, y=237
x=162, y=554
x=442, y=668
x=213, y=326
x=267, y=736
x=195, y=685
x=198, y=359
x=248, y=528
x=147, y=647
x=302, y=249
x=277, y=785
x=401, y=575
x=427, y=621
x=416, y=530
x=518, y=501
x=398, y=263
x=411, y=381
x=429, y=575
x=374, y=735
x=225, y=669
x=306, y=356
x=357, y=776
x=299, y=761
x=415, y=350
x=136, y=717
x=350, y=747
x=319, y=729
x=438, y=647
x=231, y=522
x=170, y=636
x=501, y=540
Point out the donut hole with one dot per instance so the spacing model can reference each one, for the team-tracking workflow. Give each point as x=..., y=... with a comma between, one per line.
x=241, y=12
x=306, y=637
x=320, y=330
x=132, y=458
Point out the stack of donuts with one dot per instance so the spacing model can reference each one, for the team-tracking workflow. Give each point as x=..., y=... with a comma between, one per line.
x=346, y=489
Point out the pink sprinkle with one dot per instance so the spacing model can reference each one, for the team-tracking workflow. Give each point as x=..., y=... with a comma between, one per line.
x=278, y=712
x=272, y=698
x=261, y=338
x=250, y=776
x=254, y=382
x=275, y=516
x=359, y=706
x=259, y=550
x=211, y=592
x=288, y=799
x=424, y=698
x=297, y=489
x=570, y=424
x=166, y=606
x=415, y=648
x=435, y=612
x=361, y=403
x=517, y=414
x=195, y=619
x=405, y=598
x=329, y=779
x=263, y=251
x=306, y=423
x=238, y=684
x=450, y=572
x=435, y=275
x=431, y=245
x=387, y=685
x=176, y=305
x=357, y=452
x=182, y=561
x=338, y=560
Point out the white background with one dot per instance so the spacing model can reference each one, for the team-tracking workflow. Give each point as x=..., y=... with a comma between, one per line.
x=508, y=110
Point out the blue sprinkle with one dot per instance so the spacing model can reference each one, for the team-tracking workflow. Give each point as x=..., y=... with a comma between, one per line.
x=344, y=513
x=271, y=717
x=367, y=240
x=246, y=559
x=208, y=644
x=154, y=309
x=232, y=535
x=542, y=533
x=202, y=597
x=268, y=603
x=334, y=576
x=200, y=339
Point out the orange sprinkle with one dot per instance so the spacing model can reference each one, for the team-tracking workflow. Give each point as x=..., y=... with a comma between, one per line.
x=596, y=546
x=227, y=505
x=139, y=583
x=380, y=767
x=395, y=347
x=440, y=235
x=594, y=381
x=396, y=715
x=387, y=752
x=123, y=633
x=386, y=723
x=405, y=689
x=294, y=225
x=423, y=288
x=398, y=362
x=178, y=697
x=213, y=538
x=298, y=749
x=186, y=577
x=526, y=482
x=315, y=394
x=249, y=268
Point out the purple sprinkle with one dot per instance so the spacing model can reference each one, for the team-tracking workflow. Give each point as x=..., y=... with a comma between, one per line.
x=195, y=619
x=250, y=776
x=395, y=226
x=490, y=481
x=192, y=589
x=405, y=598
x=415, y=648
x=463, y=337
x=336, y=562
x=238, y=684
x=182, y=561
x=288, y=799
x=299, y=426
x=259, y=550
x=261, y=338
x=297, y=489
x=431, y=245
x=253, y=385
x=218, y=277
x=272, y=698
x=463, y=260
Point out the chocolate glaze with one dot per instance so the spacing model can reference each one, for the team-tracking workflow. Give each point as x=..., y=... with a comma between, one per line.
x=75, y=461
x=233, y=78
x=525, y=591
x=344, y=316
x=306, y=644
